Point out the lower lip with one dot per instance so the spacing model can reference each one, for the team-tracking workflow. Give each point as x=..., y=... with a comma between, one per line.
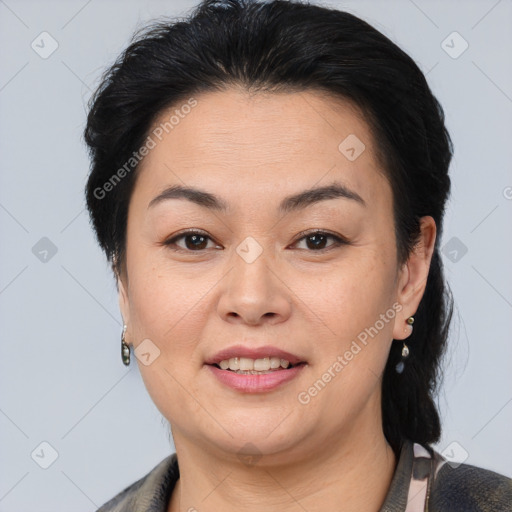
x=255, y=383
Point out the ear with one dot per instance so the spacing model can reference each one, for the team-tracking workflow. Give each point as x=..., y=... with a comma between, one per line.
x=124, y=304
x=412, y=279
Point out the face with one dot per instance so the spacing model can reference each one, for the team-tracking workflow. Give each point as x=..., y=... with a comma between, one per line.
x=260, y=270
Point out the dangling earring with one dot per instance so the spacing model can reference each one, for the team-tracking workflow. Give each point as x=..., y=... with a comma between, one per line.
x=125, y=349
x=405, y=351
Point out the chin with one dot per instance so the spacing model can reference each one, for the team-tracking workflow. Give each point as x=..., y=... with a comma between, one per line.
x=269, y=436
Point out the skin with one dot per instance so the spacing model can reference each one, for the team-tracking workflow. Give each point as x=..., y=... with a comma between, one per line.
x=252, y=151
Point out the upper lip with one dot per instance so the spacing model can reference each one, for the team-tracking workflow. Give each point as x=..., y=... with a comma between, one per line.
x=253, y=353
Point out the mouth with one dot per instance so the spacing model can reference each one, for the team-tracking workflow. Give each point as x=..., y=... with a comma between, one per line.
x=255, y=370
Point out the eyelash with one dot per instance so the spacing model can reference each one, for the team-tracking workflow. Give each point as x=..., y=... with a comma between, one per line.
x=338, y=240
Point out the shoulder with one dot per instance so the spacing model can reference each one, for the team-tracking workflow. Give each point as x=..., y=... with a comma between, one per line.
x=468, y=488
x=150, y=493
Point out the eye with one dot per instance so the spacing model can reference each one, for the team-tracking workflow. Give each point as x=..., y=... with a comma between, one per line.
x=195, y=241
x=316, y=240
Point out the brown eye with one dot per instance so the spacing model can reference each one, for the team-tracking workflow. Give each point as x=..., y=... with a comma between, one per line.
x=316, y=241
x=194, y=241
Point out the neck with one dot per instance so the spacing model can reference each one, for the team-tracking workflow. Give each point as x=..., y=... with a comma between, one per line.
x=355, y=474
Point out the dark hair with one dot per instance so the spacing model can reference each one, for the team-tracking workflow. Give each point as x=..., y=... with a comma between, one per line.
x=285, y=46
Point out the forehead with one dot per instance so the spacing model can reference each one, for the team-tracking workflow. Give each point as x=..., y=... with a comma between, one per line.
x=261, y=143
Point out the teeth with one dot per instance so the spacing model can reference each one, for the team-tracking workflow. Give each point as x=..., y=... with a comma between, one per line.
x=245, y=364
x=250, y=372
x=262, y=365
x=275, y=362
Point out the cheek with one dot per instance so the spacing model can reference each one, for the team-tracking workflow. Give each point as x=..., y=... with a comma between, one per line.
x=171, y=312
x=165, y=307
x=170, y=304
x=352, y=295
x=352, y=339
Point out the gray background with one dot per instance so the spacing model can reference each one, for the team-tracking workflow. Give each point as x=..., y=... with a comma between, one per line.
x=61, y=376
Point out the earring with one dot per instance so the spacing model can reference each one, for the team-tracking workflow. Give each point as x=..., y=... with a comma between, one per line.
x=405, y=350
x=125, y=349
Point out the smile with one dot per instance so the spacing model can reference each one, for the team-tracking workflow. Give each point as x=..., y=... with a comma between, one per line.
x=254, y=366
x=256, y=381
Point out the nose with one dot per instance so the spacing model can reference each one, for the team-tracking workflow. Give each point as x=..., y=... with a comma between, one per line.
x=253, y=293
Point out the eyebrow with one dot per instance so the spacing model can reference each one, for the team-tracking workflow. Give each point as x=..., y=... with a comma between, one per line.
x=291, y=203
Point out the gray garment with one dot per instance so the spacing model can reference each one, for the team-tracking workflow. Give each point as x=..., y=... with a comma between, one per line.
x=423, y=481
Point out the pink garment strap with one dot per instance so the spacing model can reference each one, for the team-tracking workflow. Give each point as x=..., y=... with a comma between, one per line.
x=420, y=477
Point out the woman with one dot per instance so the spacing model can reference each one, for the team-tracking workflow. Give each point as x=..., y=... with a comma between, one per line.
x=269, y=182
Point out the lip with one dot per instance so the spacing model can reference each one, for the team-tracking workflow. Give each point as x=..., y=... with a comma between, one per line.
x=254, y=353
x=256, y=383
